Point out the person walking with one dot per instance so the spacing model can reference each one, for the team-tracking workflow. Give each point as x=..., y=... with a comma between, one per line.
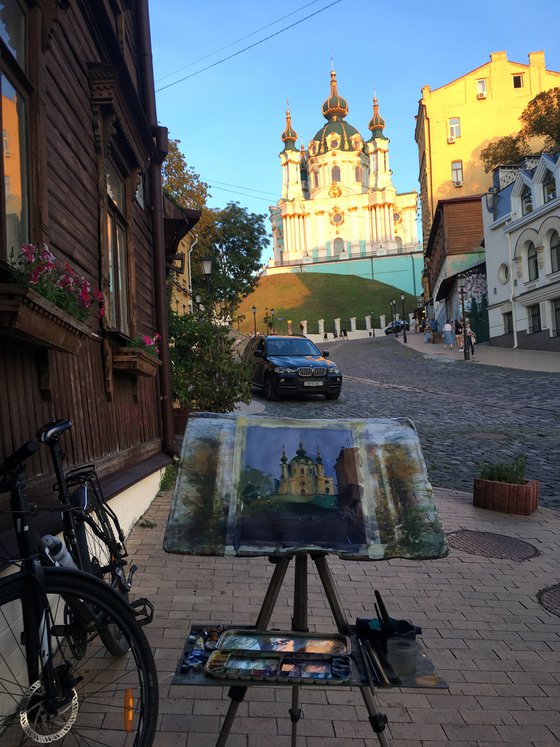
x=448, y=335
x=471, y=339
x=459, y=334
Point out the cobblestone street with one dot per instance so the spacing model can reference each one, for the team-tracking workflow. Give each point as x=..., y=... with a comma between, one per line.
x=464, y=413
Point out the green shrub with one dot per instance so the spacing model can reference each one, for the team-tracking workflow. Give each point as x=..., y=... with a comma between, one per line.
x=512, y=472
x=169, y=477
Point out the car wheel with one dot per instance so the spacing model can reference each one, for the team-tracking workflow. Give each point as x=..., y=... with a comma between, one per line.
x=269, y=391
x=336, y=395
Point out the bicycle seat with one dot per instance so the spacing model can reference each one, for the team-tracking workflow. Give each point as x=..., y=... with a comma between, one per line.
x=51, y=432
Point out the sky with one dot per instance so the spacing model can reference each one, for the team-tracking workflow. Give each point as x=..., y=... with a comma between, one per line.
x=230, y=117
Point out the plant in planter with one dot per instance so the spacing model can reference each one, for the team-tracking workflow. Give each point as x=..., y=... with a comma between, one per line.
x=139, y=357
x=504, y=487
x=205, y=372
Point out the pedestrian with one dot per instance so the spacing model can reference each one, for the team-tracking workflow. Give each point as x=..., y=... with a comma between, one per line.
x=326, y=336
x=427, y=332
x=344, y=334
x=471, y=339
x=448, y=335
x=459, y=334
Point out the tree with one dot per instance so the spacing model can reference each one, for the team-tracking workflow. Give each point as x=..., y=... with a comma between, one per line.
x=180, y=181
x=541, y=118
x=507, y=150
x=234, y=238
x=206, y=374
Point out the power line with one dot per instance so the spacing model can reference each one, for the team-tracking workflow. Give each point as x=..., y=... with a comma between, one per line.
x=247, y=36
x=256, y=44
x=253, y=197
x=241, y=186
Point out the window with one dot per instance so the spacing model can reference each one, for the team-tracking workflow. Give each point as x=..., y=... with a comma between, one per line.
x=117, y=311
x=555, y=251
x=549, y=187
x=508, y=323
x=335, y=174
x=315, y=179
x=534, y=318
x=454, y=127
x=481, y=90
x=457, y=173
x=14, y=106
x=556, y=317
x=526, y=201
x=532, y=262
x=503, y=273
x=358, y=174
x=518, y=80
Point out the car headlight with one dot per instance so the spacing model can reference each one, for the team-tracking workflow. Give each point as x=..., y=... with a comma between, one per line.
x=334, y=371
x=284, y=370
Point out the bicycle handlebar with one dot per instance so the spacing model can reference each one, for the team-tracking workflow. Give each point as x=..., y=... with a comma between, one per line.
x=18, y=457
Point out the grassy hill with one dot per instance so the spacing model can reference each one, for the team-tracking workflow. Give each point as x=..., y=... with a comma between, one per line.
x=314, y=296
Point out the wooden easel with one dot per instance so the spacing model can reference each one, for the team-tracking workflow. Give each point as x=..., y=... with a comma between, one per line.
x=237, y=693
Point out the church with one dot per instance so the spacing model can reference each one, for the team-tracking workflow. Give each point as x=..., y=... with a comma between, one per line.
x=339, y=208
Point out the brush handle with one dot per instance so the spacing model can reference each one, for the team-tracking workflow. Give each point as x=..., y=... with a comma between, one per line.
x=383, y=610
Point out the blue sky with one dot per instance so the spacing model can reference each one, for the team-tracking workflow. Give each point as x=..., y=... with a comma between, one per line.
x=229, y=118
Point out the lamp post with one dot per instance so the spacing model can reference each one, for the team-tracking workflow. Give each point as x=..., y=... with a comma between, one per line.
x=207, y=270
x=266, y=319
x=394, y=314
x=254, y=310
x=272, y=317
x=403, y=319
x=466, y=351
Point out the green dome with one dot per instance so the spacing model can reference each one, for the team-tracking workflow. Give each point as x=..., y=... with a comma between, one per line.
x=289, y=136
x=376, y=123
x=335, y=105
x=301, y=456
x=336, y=134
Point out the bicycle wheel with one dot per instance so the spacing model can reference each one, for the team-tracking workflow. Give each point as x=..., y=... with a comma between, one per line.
x=99, y=700
x=100, y=552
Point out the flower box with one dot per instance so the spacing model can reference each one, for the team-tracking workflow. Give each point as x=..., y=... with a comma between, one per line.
x=136, y=362
x=30, y=317
x=506, y=497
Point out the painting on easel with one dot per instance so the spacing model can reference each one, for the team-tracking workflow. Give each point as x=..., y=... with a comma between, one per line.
x=261, y=486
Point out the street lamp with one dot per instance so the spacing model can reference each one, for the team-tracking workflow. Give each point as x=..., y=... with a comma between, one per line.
x=272, y=315
x=207, y=269
x=254, y=310
x=404, y=319
x=266, y=319
x=466, y=352
x=394, y=313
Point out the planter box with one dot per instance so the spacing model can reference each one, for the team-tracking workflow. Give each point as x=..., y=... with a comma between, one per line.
x=136, y=362
x=505, y=497
x=28, y=316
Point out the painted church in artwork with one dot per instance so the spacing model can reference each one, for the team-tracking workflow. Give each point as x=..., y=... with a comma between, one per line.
x=338, y=201
x=304, y=476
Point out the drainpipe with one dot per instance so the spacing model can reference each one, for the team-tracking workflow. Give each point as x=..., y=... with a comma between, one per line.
x=148, y=98
x=190, y=275
x=513, y=319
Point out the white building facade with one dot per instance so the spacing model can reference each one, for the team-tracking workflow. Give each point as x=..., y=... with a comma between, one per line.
x=338, y=201
x=522, y=239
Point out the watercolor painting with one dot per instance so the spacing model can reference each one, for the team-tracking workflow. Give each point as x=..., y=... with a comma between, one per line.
x=261, y=486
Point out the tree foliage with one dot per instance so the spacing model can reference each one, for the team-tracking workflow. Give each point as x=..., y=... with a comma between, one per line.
x=234, y=238
x=541, y=118
x=180, y=181
x=206, y=374
x=507, y=150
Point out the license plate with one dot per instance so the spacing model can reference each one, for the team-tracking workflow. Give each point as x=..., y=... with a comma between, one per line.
x=312, y=383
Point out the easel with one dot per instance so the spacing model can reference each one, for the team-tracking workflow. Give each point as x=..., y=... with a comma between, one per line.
x=237, y=693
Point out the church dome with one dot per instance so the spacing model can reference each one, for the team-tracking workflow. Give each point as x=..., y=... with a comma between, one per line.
x=301, y=456
x=376, y=123
x=335, y=105
x=336, y=134
x=289, y=136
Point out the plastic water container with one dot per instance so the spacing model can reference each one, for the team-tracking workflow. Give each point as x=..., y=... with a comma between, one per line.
x=401, y=655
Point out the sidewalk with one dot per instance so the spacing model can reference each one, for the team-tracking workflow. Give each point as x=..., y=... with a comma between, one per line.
x=490, y=355
x=483, y=627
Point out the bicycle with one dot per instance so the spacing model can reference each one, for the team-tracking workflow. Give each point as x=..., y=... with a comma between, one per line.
x=91, y=530
x=57, y=683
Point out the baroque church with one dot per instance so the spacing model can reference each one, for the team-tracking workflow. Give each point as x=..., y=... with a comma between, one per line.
x=304, y=476
x=338, y=201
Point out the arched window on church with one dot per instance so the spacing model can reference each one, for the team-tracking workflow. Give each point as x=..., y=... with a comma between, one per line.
x=315, y=179
x=358, y=174
x=327, y=491
x=338, y=246
x=302, y=471
x=335, y=174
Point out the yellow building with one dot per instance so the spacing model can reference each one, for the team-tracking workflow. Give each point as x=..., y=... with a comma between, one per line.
x=179, y=243
x=456, y=121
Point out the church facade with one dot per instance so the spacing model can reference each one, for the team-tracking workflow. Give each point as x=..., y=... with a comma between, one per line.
x=339, y=207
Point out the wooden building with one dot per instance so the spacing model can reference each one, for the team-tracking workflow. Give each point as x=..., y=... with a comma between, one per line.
x=82, y=154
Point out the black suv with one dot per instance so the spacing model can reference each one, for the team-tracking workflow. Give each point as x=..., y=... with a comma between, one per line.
x=291, y=364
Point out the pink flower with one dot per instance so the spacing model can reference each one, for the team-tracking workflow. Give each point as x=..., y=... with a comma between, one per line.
x=98, y=296
x=147, y=340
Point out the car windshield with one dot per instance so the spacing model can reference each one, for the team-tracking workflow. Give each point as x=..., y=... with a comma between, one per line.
x=297, y=346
